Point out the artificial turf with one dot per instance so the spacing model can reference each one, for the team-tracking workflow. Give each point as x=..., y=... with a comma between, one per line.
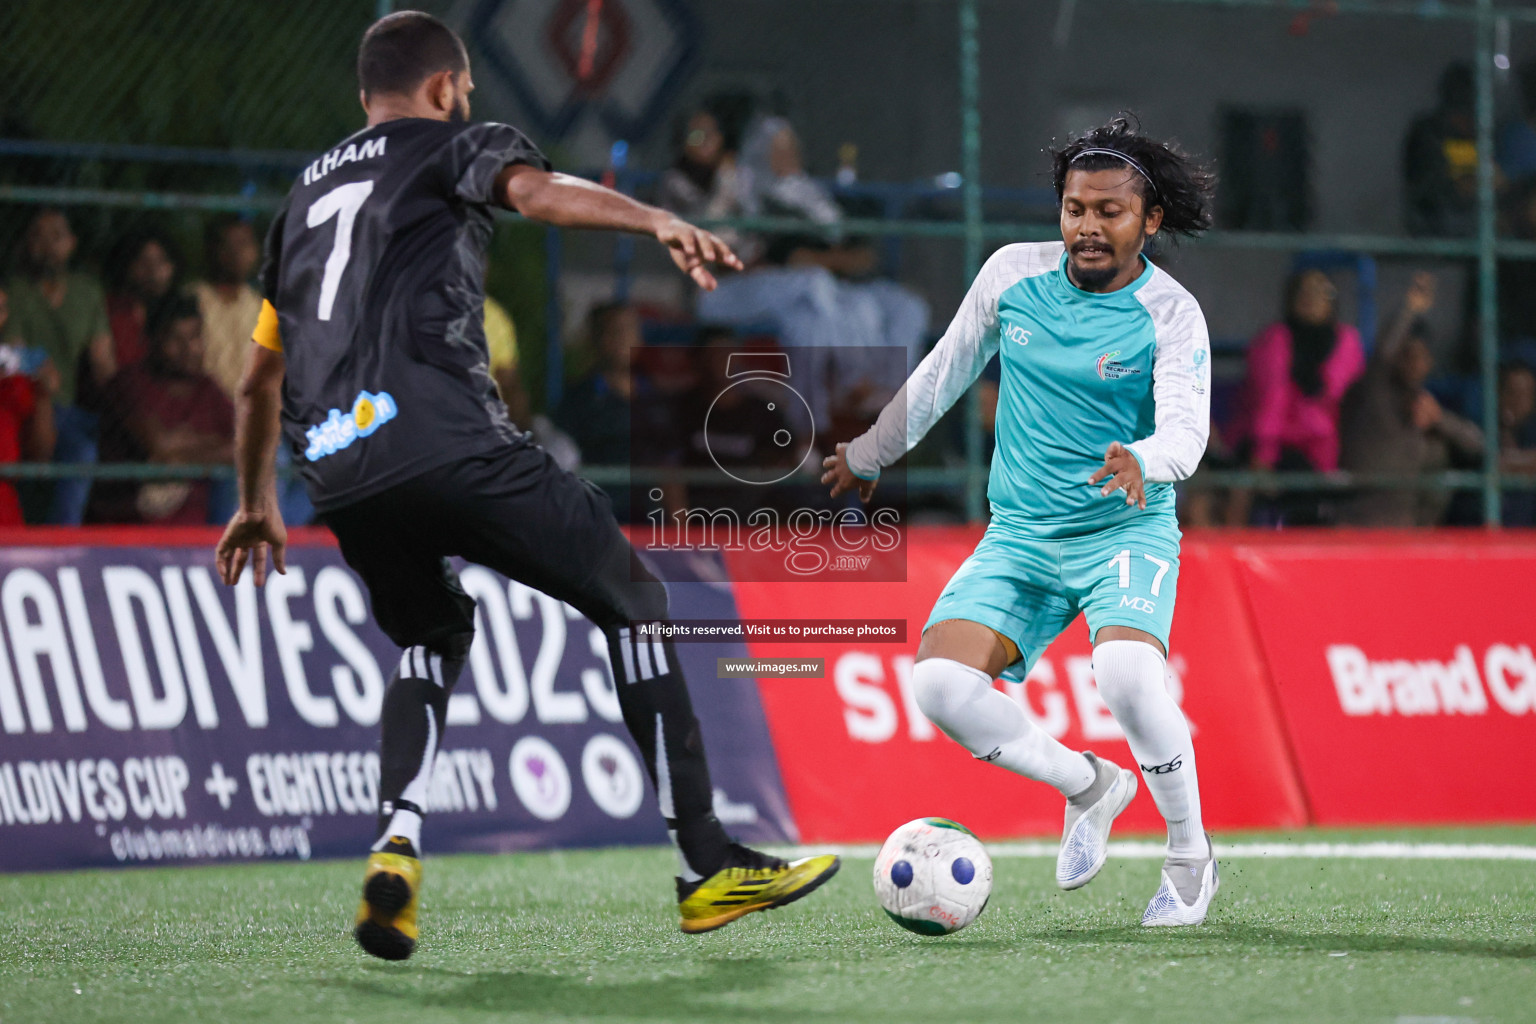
x=590, y=935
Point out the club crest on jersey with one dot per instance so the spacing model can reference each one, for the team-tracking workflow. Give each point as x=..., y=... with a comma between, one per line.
x=338, y=430
x=1108, y=369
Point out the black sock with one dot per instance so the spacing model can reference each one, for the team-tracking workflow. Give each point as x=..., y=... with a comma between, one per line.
x=659, y=715
x=412, y=720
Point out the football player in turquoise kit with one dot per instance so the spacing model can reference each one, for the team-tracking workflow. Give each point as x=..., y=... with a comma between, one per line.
x=1103, y=404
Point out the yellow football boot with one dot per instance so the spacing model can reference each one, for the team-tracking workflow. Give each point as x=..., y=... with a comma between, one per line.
x=749, y=881
x=386, y=919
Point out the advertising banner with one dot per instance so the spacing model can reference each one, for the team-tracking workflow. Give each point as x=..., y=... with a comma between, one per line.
x=859, y=758
x=149, y=714
x=1404, y=673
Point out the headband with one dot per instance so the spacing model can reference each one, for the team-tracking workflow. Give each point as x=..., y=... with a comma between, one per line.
x=1119, y=156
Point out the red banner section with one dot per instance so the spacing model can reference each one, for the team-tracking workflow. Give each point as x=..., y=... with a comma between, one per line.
x=1335, y=678
x=1404, y=672
x=859, y=758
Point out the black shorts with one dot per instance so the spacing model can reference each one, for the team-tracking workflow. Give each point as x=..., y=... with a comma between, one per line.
x=511, y=509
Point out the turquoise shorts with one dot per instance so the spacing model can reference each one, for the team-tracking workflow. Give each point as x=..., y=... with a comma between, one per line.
x=1029, y=590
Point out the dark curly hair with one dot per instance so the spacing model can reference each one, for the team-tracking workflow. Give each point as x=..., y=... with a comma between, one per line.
x=1173, y=181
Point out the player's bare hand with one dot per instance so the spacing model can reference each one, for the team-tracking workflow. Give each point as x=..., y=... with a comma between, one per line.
x=247, y=538
x=842, y=479
x=693, y=250
x=1121, y=472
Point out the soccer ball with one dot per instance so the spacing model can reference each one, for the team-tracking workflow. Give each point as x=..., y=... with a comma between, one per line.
x=933, y=876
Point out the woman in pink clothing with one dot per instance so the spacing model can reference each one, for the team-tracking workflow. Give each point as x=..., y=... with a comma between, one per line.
x=1298, y=371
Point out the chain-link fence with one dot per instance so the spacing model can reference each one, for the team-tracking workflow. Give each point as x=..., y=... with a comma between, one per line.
x=144, y=122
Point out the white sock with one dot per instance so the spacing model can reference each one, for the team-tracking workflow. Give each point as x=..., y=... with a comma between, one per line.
x=962, y=701
x=402, y=823
x=1130, y=677
x=407, y=823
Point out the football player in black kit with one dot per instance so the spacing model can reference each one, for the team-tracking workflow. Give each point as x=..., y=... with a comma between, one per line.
x=370, y=356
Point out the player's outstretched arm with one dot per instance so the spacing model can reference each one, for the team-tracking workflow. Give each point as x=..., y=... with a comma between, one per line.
x=937, y=383
x=570, y=202
x=257, y=525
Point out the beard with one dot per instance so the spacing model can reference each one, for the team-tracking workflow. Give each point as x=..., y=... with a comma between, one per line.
x=460, y=112
x=1094, y=278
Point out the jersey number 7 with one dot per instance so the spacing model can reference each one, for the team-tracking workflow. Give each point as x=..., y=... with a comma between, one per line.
x=341, y=202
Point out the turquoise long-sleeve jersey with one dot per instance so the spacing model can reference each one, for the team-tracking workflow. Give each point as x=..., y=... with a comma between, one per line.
x=1079, y=371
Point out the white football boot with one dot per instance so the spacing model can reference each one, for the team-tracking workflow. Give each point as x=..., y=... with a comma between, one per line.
x=1189, y=885
x=1085, y=839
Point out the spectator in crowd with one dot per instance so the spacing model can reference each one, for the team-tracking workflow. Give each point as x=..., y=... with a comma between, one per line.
x=753, y=433
x=64, y=314
x=501, y=342
x=772, y=181
x=141, y=272
x=1440, y=161
x=230, y=306
x=702, y=182
x=228, y=303
x=1389, y=423
x=164, y=410
x=26, y=412
x=506, y=371
x=595, y=411
x=816, y=294
x=1516, y=142
x=1298, y=371
x=1517, y=280
x=1517, y=440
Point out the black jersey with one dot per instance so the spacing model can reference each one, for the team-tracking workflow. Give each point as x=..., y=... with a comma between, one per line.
x=376, y=268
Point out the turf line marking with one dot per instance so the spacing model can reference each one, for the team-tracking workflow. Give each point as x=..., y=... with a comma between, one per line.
x=1308, y=851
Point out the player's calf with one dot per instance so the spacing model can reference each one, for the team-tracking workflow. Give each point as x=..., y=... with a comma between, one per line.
x=414, y=713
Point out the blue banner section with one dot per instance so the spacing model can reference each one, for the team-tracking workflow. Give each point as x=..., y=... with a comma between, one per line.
x=151, y=715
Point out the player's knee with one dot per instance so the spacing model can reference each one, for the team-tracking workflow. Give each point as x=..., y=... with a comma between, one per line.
x=454, y=647
x=1128, y=672
x=624, y=591
x=941, y=687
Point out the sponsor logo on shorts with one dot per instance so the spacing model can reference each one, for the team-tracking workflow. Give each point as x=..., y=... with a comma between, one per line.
x=1138, y=604
x=339, y=430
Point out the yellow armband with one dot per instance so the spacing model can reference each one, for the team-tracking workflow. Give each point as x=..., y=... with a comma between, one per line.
x=266, y=334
